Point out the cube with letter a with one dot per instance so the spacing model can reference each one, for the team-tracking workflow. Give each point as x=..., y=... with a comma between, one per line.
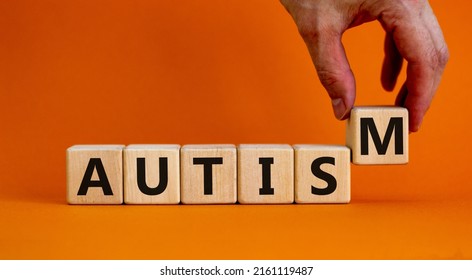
x=95, y=174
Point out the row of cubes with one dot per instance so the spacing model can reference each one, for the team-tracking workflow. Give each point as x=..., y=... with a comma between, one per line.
x=208, y=174
x=249, y=174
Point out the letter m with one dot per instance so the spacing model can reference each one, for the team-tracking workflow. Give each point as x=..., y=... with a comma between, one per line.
x=368, y=125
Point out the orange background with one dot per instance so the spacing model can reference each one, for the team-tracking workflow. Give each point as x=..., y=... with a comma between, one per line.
x=122, y=72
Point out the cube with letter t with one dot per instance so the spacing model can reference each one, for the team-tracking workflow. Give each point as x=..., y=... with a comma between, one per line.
x=208, y=174
x=378, y=135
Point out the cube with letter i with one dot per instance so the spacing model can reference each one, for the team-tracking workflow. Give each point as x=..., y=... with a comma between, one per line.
x=265, y=174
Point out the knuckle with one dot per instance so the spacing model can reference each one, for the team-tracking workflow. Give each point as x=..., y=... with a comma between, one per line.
x=328, y=78
x=316, y=25
x=309, y=31
x=318, y=32
x=443, y=56
x=438, y=58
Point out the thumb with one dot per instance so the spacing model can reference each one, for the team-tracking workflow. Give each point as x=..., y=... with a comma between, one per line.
x=328, y=55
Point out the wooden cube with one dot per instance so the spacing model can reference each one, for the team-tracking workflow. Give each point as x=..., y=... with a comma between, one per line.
x=95, y=174
x=265, y=174
x=322, y=174
x=378, y=135
x=151, y=174
x=208, y=174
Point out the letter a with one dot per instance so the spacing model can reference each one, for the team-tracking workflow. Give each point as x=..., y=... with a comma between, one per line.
x=102, y=182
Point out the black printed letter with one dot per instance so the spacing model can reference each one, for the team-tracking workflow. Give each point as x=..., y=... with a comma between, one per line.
x=367, y=124
x=328, y=178
x=163, y=176
x=208, y=172
x=266, y=186
x=95, y=163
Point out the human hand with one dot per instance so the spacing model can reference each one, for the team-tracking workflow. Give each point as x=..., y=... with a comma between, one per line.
x=412, y=33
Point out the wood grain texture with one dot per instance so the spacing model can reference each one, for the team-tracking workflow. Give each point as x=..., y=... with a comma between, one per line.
x=315, y=167
x=360, y=130
x=164, y=190
x=276, y=158
x=223, y=174
x=80, y=158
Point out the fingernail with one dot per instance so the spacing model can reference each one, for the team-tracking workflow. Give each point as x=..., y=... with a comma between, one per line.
x=339, y=108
